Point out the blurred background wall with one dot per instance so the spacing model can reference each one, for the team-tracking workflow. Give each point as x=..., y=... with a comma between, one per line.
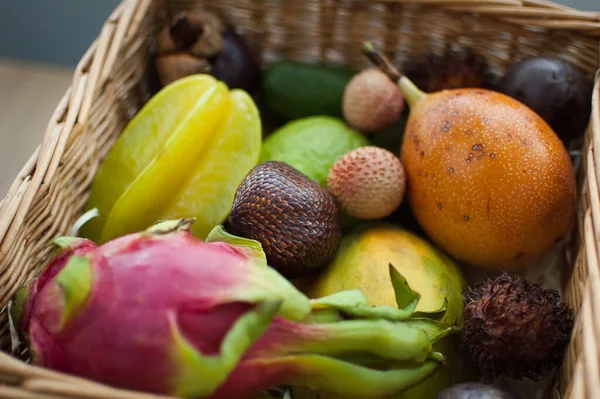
x=51, y=31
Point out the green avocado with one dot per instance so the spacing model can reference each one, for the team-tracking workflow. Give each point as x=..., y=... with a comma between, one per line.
x=293, y=90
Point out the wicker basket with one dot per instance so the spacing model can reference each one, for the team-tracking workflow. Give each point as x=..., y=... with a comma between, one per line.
x=51, y=190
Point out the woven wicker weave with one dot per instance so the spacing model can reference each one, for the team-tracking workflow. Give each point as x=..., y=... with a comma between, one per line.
x=49, y=193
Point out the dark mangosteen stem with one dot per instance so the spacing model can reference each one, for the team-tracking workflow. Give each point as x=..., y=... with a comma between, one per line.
x=381, y=62
x=184, y=34
x=410, y=91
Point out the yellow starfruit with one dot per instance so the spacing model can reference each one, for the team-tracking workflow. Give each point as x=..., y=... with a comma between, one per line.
x=182, y=155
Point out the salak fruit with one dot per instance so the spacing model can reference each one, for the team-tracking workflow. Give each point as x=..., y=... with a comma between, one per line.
x=183, y=155
x=162, y=311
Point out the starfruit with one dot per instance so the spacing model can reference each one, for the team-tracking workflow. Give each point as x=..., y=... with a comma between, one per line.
x=182, y=155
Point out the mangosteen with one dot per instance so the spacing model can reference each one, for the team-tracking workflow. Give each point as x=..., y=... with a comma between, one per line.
x=202, y=42
x=236, y=64
x=475, y=390
x=556, y=90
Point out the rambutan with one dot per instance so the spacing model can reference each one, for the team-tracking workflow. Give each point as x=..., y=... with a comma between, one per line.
x=515, y=328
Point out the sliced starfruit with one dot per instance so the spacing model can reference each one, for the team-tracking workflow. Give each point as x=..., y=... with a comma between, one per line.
x=210, y=190
x=183, y=155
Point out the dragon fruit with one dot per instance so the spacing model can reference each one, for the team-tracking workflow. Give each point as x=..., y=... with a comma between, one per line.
x=161, y=311
x=64, y=248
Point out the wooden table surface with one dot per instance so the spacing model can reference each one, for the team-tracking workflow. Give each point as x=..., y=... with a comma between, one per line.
x=29, y=93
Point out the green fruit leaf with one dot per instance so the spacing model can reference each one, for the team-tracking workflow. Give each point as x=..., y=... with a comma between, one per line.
x=18, y=302
x=435, y=330
x=354, y=304
x=435, y=314
x=264, y=283
x=252, y=248
x=406, y=298
x=63, y=244
x=325, y=315
x=395, y=340
x=351, y=381
x=346, y=299
x=200, y=375
x=75, y=279
x=16, y=311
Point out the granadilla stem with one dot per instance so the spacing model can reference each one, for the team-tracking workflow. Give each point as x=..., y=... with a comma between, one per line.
x=409, y=90
x=381, y=62
x=184, y=34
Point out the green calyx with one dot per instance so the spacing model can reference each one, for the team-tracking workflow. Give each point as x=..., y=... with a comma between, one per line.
x=406, y=298
x=75, y=281
x=17, y=305
x=345, y=326
x=250, y=248
x=16, y=313
x=353, y=350
x=349, y=380
x=353, y=303
x=264, y=283
x=214, y=370
x=381, y=338
x=62, y=245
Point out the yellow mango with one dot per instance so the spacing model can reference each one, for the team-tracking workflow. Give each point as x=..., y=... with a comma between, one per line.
x=201, y=145
x=363, y=263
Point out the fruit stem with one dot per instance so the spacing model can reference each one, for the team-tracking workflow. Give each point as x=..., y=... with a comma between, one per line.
x=184, y=34
x=409, y=90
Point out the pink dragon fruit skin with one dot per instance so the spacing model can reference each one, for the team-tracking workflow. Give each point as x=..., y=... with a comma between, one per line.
x=113, y=315
x=161, y=311
x=293, y=353
x=65, y=247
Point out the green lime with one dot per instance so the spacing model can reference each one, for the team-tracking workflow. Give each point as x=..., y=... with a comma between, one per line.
x=312, y=145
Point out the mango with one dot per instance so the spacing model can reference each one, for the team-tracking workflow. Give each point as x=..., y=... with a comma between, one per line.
x=183, y=155
x=362, y=263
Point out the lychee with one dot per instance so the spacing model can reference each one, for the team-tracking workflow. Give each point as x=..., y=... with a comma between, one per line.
x=368, y=182
x=371, y=101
